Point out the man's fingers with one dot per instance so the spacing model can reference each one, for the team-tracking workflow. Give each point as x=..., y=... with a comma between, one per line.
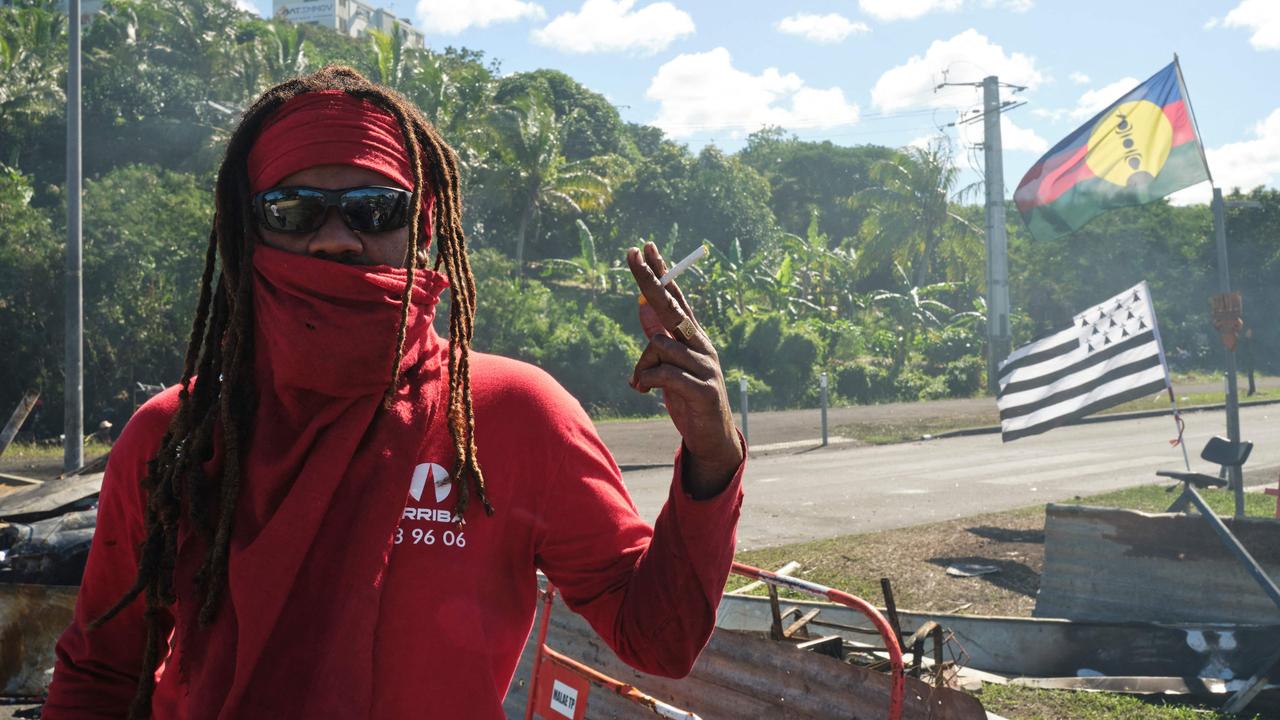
x=659, y=264
x=669, y=310
x=662, y=350
x=675, y=381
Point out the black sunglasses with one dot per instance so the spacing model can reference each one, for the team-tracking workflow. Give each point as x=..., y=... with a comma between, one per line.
x=299, y=210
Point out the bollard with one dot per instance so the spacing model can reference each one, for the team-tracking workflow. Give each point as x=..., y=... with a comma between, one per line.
x=742, y=386
x=823, y=382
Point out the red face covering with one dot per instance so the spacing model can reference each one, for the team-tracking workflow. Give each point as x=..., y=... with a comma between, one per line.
x=325, y=476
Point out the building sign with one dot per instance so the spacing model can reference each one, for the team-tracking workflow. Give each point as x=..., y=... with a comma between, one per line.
x=305, y=11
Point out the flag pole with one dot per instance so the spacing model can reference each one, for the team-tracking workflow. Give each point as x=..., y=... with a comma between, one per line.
x=1178, y=422
x=1217, y=204
x=1168, y=381
x=1191, y=111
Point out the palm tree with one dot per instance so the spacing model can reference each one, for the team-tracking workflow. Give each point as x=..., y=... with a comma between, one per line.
x=455, y=94
x=526, y=157
x=277, y=50
x=33, y=53
x=910, y=220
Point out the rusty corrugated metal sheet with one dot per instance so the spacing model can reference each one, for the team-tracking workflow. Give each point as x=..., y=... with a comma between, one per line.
x=1111, y=565
x=743, y=675
x=31, y=619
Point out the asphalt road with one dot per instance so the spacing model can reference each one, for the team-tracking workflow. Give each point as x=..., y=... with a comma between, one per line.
x=840, y=491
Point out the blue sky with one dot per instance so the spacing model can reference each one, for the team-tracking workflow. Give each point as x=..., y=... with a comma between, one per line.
x=862, y=71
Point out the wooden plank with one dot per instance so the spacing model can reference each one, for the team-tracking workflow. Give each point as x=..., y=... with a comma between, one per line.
x=49, y=498
x=787, y=569
x=799, y=624
x=18, y=417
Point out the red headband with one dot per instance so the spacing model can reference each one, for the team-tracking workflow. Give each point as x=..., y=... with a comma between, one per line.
x=328, y=128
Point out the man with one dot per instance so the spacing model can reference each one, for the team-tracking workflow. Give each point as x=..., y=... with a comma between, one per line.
x=296, y=512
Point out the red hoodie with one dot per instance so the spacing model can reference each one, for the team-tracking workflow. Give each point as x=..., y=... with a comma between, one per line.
x=350, y=594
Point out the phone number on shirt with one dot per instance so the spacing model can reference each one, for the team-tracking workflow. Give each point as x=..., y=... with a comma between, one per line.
x=418, y=536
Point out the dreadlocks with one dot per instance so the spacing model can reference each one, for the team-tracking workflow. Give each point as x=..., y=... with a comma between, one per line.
x=217, y=388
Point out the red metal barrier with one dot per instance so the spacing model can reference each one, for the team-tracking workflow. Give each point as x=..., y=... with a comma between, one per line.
x=545, y=654
x=571, y=701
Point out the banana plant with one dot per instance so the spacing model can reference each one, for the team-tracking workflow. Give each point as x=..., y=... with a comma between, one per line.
x=911, y=310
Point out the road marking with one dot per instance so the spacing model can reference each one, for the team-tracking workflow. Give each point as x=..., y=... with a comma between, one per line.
x=792, y=444
x=1151, y=462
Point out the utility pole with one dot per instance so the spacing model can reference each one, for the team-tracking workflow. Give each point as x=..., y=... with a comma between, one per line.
x=73, y=382
x=999, y=337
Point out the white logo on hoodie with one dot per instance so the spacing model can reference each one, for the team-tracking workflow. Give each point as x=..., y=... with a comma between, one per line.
x=434, y=474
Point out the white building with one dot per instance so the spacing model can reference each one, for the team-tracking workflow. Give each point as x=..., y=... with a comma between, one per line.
x=349, y=17
x=88, y=8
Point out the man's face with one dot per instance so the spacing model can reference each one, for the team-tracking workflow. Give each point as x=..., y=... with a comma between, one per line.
x=334, y=240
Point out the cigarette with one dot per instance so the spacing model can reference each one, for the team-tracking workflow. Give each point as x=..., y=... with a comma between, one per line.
x=680, y=267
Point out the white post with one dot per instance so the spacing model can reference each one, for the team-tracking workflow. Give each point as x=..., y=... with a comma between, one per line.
x=823, y=384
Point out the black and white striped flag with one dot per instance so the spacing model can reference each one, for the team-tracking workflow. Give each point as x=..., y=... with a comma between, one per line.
x=1111, y=354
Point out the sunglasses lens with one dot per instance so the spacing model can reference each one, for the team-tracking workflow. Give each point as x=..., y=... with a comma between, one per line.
x=375, y=209
x=292, y=210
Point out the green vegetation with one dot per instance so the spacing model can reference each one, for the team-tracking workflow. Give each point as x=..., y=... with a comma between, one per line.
x=1023, y=703
x=863, y=262
x=20, y=452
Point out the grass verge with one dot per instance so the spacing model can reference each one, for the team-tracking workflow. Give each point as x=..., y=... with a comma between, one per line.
x=28, y=452
x=1023, y=703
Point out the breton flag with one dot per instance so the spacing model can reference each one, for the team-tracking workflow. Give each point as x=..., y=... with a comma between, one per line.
x=1141, y=148
x=1111, y=354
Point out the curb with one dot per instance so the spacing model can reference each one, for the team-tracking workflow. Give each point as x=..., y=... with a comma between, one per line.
x=642, y=466
x=1115, y=417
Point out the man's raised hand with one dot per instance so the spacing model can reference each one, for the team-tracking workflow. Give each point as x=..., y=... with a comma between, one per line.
x=681, y=360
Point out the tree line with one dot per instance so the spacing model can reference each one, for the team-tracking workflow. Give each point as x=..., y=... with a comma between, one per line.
x=864, y=262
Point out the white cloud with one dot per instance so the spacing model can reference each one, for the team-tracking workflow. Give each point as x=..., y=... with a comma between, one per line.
x=603, y=26
x=906, y=9
x=1245, y=164
x=924, y=142
x=1013, y=137
x=1095, y=101
x=450, y=17
x=1260, y=16
x=822, y=29
x=1047, y=114
x=968, y=57
x=704, y=91
x=888, y=10
x=1079, y=78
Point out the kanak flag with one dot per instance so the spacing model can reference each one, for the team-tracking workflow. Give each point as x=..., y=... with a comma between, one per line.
x=1143, y=147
